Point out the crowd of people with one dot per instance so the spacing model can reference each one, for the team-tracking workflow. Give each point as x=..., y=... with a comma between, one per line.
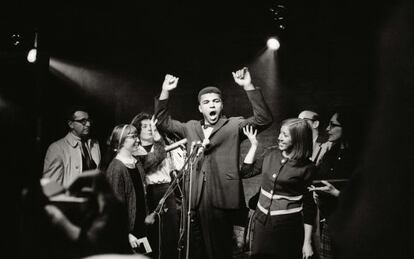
x=302, y=178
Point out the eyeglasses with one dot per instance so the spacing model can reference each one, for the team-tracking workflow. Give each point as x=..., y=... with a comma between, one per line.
x=331, y=124
x=134, y=135
x=308, y=119
x=84, y=121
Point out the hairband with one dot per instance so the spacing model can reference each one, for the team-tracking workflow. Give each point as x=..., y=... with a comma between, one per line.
x=120, y=137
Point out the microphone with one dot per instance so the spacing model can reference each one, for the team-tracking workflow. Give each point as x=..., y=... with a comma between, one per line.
x=175, y=145
x=206, y=141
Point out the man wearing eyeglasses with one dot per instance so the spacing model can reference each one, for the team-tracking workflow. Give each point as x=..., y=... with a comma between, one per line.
x=75, y=153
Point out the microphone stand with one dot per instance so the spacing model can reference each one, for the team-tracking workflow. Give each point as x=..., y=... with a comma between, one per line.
x=186, y=169
x=197, y=152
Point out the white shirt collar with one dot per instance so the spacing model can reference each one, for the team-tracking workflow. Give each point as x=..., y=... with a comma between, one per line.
x=127, y=161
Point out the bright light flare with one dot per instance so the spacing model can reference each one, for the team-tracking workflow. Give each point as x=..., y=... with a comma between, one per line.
x=32, y=55
x=273, y=44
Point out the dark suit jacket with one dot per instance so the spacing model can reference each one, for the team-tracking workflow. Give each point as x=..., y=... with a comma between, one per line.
x=337, y=163
x=220, y=164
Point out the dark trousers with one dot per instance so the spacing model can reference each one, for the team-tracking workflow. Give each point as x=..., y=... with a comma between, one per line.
x=167, y=227
x=211, y=231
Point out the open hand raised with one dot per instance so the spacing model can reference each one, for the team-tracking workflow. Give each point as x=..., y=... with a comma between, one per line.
x=250, y=134
x=155, y=134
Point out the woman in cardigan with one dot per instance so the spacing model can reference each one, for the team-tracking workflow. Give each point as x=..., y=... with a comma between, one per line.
x=334, y=170
x=125, y=174
x=285, y=211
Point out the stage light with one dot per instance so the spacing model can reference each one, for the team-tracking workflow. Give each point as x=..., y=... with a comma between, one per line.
x=32, y=55
x=278, y=14
x=273, y=44
x=15, y=37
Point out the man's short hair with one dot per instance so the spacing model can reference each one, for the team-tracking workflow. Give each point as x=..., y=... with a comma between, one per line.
x=70, y=112
x=310, y=115
x=209, y=90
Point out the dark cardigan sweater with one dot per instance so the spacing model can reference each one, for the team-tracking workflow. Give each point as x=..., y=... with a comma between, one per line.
x=290, y=178
x=120, y=179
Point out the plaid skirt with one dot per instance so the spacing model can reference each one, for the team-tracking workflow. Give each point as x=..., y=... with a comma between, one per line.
x=326, y=242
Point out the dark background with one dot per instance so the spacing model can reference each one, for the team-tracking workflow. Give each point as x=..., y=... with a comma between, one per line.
x=113, y=56
x=117, y=53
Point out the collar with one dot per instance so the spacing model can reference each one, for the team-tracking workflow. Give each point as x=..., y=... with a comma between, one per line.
x=284, y=159
x=206, y=126
x=215, y=127
x=292, y=162
x=337, y=146
x=207, y=132
x=72, y=139
x=127, y=161
x=141, y=151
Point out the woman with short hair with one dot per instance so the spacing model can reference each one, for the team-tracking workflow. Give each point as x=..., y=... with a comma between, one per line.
x=125, y=174
x=158, y=169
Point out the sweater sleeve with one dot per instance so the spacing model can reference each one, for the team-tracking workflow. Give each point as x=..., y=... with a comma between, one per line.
x=165, y=122
x=250, y=170
x=117, y=175
x=153, y=159
x=262, y=117
x=117, y=181
x=309, y=206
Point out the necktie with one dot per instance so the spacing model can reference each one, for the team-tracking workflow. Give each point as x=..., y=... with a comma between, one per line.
x=206, y=126
x=316, y=156
x=323, y=148
x=87, y=161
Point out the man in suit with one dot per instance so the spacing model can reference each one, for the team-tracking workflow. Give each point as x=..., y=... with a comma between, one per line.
x=320, y=145
x=217, y=190
x=76, y=152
